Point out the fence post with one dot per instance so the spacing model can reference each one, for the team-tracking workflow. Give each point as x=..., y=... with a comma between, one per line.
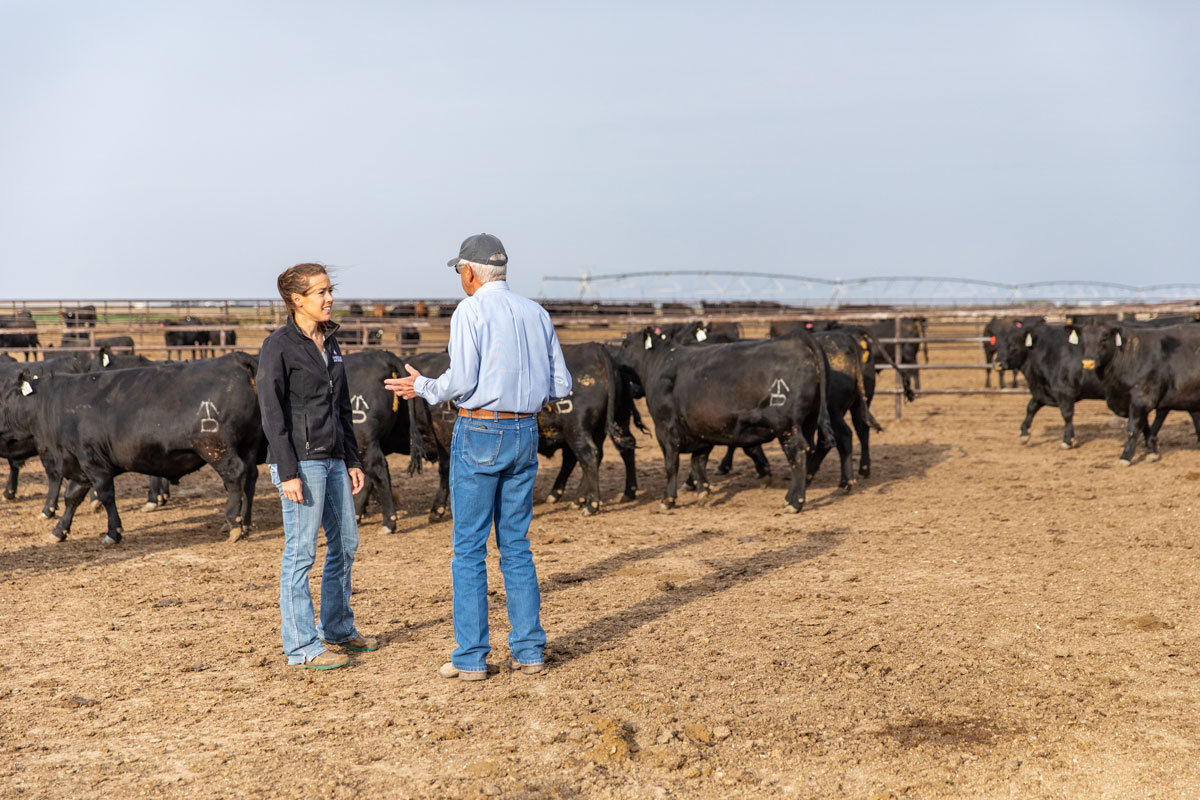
x=899, y=375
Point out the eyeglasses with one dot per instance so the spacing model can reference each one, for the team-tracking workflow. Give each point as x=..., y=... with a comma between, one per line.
x=458, y=269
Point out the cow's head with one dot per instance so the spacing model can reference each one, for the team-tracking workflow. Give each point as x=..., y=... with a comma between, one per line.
x=1096, y=344
x=1013, y=345
x=637, y=344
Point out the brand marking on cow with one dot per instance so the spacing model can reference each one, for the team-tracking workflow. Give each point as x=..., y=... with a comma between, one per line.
x=564, y=406
x=209, y=423
x=779, y=392
x=586, y=380
x=360, y=407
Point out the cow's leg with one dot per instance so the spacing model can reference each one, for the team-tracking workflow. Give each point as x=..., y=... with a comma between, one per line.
x=1133, y=428
x=1196, y=423
x=699, y=470
x=10, y=486
x=862, y=429
x=1067, y=407
x=564, y=474
x=589, y=461
x=818, y=453
x=1015, y=374
x=375, y=465
x=106, y=493
x=762, y=467
x=362, y=499
x=233, y=475
x=53, y=487
x=157, y=492
x=671, y=467
x=629, y=457
x=1151, y=433
x=726, y=462
x=1031, y=408
x=441, y=500
x=76, y=491
x=987, y=378
x=796, y=454
x=844, y=439
x=248, y=486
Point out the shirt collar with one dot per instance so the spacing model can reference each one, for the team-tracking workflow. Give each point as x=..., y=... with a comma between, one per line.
x=493, y=286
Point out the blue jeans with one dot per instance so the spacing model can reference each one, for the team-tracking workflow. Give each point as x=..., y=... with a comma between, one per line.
x=327, y=502
x=492, y=467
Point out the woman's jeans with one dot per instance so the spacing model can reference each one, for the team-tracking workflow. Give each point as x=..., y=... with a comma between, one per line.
x=492, y=467
x=327, y=502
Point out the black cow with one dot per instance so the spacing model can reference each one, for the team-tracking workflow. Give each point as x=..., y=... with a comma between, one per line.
x=197, y=340
x=27, y=341
x=577, y=424
x=122, y=345
x=742, y=393
x=381, y=426
x=992, y=331
x=1142, y=369
x=357, y=330
x=910, y=328
x=167, y=420
x=1048, y=357
x=782, y=327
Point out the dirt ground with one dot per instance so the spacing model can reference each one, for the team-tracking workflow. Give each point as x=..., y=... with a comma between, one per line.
x=977, y=619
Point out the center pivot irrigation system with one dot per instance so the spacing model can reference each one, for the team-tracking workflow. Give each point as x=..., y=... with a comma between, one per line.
x=726, y=285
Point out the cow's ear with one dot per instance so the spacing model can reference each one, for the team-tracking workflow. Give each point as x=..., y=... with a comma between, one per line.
x=701, y=335
x=1117, y=339
x=649, y=341
x=1029, y=340
x=1074, y=337
x=27, y=383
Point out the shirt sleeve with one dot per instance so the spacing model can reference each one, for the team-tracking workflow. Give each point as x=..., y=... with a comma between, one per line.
x=460, y=378
x=560, y=376
x=272, y=399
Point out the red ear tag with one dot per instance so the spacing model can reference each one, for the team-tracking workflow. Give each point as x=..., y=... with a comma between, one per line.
x=1020, y=325
x=993, y=341
x=808, y=325
x=658, y=330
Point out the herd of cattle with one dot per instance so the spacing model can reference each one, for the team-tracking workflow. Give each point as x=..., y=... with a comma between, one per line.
x=90, y=416
x=1134, y=366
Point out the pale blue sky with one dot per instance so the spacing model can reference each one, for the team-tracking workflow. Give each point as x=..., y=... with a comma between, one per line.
x=169, y=149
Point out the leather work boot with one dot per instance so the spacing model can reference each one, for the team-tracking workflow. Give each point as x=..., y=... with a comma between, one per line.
x=362, y=644
x=326, y=660
x=448, y=670
x=526, y=669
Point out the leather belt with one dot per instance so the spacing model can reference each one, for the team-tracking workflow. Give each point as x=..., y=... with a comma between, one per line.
x=479, y=413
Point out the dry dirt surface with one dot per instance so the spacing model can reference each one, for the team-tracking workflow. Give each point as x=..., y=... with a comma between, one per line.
x=976, y=619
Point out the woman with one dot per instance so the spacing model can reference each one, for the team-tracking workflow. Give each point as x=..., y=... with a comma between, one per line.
x=313, y=459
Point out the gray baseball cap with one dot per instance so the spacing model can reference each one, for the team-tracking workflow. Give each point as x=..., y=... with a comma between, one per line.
x=482, y=248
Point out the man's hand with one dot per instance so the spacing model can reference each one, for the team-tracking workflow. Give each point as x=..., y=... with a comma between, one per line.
x=404, y=386
x=357, y=480
x=293, y=490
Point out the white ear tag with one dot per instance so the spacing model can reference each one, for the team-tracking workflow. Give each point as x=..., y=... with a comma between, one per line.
x=701, y=335
x=649, y=342
x=1118, y=338
x=1029, y=340
x=26, y=388
x=104, y=359
x=1074, y=337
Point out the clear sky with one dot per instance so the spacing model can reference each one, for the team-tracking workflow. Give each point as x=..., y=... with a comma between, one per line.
x=195, y=149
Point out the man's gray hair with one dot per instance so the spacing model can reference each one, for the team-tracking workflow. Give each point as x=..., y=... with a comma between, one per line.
x=486, y=273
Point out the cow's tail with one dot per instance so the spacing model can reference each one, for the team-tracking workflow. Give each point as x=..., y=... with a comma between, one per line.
x=862, y=396
x=824, y=424
x=416, y=443
x=637, y=417
x=905, y=378
x=621, y=438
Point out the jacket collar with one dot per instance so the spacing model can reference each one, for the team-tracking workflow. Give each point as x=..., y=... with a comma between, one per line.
x=295, y=331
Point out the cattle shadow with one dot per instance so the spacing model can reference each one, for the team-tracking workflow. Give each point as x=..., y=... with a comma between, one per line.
x=599, y=632
x=563, y=580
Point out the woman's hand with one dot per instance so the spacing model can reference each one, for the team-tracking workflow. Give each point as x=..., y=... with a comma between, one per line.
x=293, y=490
x=357, y=480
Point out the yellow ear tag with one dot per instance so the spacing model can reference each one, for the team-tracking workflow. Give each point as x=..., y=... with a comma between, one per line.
x=395, y=398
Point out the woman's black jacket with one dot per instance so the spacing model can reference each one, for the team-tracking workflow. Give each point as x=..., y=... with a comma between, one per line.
x=305, y=405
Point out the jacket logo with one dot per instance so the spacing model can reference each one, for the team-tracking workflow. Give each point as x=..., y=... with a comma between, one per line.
x=337, y=358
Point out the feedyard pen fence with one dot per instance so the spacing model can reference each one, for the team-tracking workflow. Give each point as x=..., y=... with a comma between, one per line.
x=250, y=321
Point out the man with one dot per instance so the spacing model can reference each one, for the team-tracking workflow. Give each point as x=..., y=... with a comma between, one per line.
x=505, y=364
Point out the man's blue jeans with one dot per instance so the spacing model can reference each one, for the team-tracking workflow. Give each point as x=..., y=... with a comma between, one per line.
x=492, y=467
x=327, y=502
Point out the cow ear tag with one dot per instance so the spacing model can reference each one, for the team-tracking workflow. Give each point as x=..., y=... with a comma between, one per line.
x=1074, y=337
x=1029, y=340
x=701, y=335
x=1118, y=338
x=649, y=342
x=26, y=388
x=1020, y=324
x=105, y=360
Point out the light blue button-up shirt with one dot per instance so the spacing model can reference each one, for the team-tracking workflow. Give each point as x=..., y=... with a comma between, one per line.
x=504, y=355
